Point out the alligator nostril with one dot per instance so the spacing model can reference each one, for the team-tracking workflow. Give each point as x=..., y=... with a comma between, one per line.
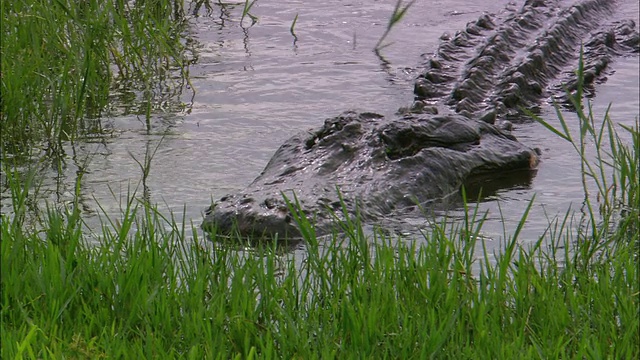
x=270, y=203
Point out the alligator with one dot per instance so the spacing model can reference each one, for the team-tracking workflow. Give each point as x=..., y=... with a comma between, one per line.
x=467, y=96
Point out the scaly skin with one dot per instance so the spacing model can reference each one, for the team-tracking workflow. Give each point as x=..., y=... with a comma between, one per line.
x=381, y=165
x=455, y=131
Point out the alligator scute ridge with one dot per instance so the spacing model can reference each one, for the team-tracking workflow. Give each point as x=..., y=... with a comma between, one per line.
x=455, y=130
x=512, y=67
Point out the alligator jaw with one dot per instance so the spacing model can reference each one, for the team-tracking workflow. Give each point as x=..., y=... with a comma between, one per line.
x=244, y=216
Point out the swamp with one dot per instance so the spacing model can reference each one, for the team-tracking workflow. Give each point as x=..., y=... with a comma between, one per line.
x=122, y=120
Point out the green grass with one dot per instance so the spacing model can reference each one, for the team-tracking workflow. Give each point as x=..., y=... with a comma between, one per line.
x=154, y=289
x=62, y=59
x=246, y=11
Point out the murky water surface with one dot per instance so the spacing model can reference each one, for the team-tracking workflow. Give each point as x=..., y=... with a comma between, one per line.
x=255, y=86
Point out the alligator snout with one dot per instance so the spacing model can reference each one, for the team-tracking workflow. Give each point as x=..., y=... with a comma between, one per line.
x=248, y=217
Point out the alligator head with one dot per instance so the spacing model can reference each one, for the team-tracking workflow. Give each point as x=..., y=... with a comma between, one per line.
x=378, y=166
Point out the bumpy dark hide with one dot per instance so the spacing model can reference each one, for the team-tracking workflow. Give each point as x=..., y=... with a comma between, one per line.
x=455, y=131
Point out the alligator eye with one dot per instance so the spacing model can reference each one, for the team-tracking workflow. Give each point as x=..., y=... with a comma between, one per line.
x=287, y=219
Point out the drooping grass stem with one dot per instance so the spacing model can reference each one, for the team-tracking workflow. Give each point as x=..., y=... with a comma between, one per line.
x=398, y=13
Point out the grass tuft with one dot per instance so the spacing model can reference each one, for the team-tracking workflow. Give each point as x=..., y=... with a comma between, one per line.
x=67, y=57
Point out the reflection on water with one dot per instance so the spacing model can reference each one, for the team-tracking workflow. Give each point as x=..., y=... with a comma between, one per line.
x=253, y=86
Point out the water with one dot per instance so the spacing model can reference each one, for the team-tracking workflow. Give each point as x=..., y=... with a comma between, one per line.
x=256, y=86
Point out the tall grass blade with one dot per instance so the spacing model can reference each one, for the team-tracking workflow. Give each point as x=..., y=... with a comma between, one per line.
x=398, y=13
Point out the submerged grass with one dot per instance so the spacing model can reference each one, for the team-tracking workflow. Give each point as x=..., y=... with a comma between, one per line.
x=153, y=288
x=61, y=59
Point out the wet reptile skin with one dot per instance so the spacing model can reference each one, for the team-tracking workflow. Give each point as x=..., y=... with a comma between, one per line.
x=458, y=128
